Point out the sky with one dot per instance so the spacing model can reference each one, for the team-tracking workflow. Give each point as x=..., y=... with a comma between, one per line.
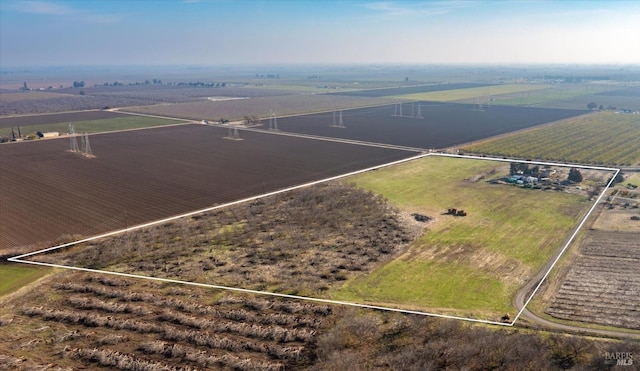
x=254, y=32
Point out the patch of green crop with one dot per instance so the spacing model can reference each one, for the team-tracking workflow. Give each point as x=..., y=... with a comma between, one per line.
x=480, y=92
x=418, y=283
x=96, y=126
x=15, y=276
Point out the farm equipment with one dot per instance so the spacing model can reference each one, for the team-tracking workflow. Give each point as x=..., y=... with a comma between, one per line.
x=456, y=212
x=420, y=217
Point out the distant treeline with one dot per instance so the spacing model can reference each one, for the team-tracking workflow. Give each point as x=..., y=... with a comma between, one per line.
x=80, y=84
x=572, y=79
x=268, y=76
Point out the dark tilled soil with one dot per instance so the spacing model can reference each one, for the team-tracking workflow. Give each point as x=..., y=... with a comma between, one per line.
x=442, y=124
x=146, y=175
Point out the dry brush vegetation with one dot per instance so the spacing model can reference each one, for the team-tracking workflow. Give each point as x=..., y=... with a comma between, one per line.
x=301, y=242
x=365, y=340
x=81, y=320
x=128, y=325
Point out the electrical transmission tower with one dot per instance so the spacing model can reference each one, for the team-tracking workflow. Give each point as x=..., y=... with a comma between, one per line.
x=73, y=145
x=273, y=121
x=397, y=109
x=86, y=148
x=340, y=122
x=233, y=133
x=477, y=106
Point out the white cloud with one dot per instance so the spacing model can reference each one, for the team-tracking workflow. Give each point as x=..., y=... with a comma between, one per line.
x=41, y=7
x=48, y=8
x=392, y=9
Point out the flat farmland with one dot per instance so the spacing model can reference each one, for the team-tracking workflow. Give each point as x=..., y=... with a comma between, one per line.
x=469, y=94
x=74, y=99
x=120, y=122
x=620, y=102
x=259, y=106
x=443, y=124
x=409, y=90
x=174, y=94
x=145, y=175
x=631, y=91
x=57, y=118
x=28, y=95
x=54, y=102
x=599, y=138
x=548, y=96
x=361, y=244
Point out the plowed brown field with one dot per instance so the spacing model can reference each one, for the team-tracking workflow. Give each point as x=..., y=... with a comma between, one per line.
x=146, y=175
x=423, y=124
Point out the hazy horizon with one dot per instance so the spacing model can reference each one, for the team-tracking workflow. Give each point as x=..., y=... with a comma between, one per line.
x=250, y=33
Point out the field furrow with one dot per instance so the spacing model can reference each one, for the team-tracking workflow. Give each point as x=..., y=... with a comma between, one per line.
x=603, y=285
x=48, y=192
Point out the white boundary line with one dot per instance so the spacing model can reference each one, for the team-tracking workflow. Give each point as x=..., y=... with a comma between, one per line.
x=569, y=241
x=19, y=258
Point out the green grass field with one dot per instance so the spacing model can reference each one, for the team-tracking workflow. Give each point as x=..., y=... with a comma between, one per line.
x=96, y=126
x=602, y=138
x=469, y=265
x=15, y=276
x=633, y=178
x=555, y=95
x=470, y=93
